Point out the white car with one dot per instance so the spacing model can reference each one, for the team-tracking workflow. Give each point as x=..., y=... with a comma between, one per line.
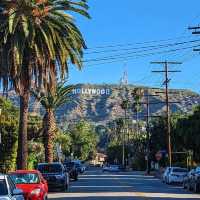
x=165, y=174
x=8, y=190
x=176, y=175
x=111, y=168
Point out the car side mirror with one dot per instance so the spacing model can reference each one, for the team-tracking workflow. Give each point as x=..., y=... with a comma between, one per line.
x=43, y=181
x=17, y=192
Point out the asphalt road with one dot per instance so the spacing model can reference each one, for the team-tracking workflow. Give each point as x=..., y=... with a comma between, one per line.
x=95, y=185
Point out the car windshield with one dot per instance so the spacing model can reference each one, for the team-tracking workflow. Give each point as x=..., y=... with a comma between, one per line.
x=52, y=168
x=114, y=166
x=70, y=164
x=77, y=165
x=180, y=170
x=198, y=169
x=3, y=188
x=20, y=178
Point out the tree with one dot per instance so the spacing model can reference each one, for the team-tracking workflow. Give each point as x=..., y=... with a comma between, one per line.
x=84, y=140
x=137, y=107
x=51, y=100
x=37, y=39
x=181, y=140
x=65, y=141
x=35, y=128
x=8, y=130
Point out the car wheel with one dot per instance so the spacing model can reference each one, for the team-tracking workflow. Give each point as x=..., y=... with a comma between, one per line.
x=66, y=187
x=76, y=178
x=196, y=188
x=45, y=198
x=188, y=187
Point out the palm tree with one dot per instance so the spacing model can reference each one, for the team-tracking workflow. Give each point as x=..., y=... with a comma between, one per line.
x=137, y=95
x=37, y=38
x=51, y=100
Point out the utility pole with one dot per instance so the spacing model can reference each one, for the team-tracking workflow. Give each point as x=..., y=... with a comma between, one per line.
x=195, y=31
x=166, y=71
x=125, y=101
x=148, y=133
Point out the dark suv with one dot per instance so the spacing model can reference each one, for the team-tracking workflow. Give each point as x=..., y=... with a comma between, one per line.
x=55, y=174
x=194, y=181
x=72, y=170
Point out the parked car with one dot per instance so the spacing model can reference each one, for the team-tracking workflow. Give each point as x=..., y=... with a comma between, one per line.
x=187, y=179
x=106, y=168
x=194, y=181
x=176, y=175
x=79, y=166
x=31, y=182
x=8, y=189
x=55, y=174
x=165, y=174
x=72, y=170
x=111, y=168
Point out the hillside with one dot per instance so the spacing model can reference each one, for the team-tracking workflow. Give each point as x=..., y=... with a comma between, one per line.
x=101, y=103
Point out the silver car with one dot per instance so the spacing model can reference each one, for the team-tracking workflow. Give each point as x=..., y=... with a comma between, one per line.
x=8, y=190
x=176, y=175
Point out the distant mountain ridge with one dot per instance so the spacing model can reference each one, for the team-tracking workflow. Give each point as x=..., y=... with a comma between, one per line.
x=100, y=103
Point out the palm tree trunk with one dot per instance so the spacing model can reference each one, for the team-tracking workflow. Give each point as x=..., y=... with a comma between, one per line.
x=22, y=153
x=49, y=134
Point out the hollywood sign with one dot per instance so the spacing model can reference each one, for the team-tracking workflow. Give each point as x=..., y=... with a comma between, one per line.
x=92, y=91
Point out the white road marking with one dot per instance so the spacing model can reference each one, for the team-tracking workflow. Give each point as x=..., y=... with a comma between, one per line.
x=125, y=194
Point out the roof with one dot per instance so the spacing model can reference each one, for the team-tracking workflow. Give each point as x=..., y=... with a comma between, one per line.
x=50, y=163
x=24, y=171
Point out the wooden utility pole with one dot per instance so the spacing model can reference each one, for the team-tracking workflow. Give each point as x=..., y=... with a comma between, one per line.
x=195, y=31
x=166, y=71
x=148, y=134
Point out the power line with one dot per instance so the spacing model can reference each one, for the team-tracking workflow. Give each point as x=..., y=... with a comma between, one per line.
x=151, y=47
x=145, y=50
x=122, y=58
x=137, y=43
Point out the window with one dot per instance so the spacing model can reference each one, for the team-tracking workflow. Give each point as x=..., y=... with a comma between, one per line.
x=25, y=178
x=51, y=168
x=3, y=187
x=180, y=170
x=11, y=184
x=198, y=169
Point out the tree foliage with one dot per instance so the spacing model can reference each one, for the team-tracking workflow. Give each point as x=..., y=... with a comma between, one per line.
x=8, y=130
x=185, y=134
x=84, y=140
x=51, y=100
x=37, y=39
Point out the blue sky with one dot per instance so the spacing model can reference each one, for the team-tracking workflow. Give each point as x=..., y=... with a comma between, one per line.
x=131, y=21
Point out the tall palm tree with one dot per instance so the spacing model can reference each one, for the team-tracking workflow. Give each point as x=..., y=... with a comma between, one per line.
x=37, y=38
x=51, y=100
x=137, y=95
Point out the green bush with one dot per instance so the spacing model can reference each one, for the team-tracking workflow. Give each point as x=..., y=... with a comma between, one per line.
x=9, y=135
